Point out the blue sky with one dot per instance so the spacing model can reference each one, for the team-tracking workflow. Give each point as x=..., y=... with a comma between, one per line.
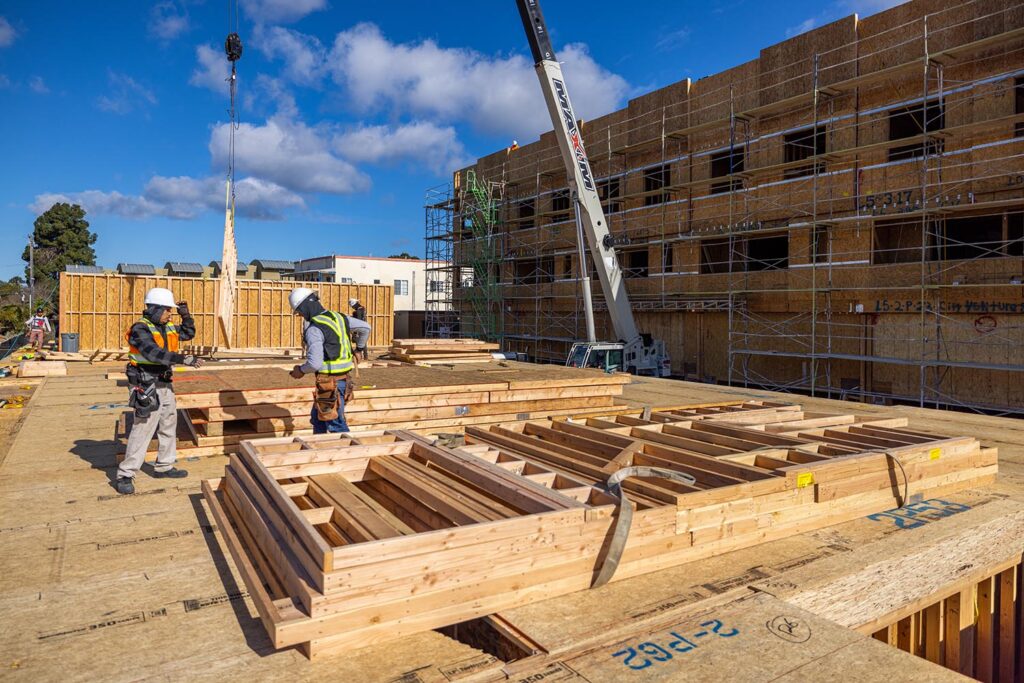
x=349, y=111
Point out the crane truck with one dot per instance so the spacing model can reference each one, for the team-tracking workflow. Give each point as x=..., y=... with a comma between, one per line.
x=632, y=351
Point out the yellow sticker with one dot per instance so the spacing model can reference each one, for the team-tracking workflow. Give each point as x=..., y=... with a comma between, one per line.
x=804, y=479
x=934, y=453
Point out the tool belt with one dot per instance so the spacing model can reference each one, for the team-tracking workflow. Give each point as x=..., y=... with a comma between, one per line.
x=142, y=389
x=326, y=397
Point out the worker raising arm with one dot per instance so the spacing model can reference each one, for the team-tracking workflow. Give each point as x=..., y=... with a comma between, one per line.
x=153, y=344
x=329, y=355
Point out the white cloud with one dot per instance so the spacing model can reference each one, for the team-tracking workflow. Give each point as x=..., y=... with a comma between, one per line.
x=182, y=198
x=38, y=85
x=289, y=153
x=280, y=11
x=303, y=55
x=673, y=39
x=5, y=82
x=495, y=94
x=167, y=20
x=435, y=147
x=126, y=94
x=7, y=33
x=803, y=27
x=211, y=71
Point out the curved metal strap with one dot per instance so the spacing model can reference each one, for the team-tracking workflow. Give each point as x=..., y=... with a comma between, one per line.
x=625, y=515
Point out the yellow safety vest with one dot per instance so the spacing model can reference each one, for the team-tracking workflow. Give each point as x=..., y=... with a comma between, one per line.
x=136, y=358
x=343, y=363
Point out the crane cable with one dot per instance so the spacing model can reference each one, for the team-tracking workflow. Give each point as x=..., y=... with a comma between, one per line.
x=233, y=50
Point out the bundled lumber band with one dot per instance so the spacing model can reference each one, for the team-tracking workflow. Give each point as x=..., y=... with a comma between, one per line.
x=442, y=351
x=345, y=540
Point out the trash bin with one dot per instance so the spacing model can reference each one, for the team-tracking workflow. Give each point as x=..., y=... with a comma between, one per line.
x=69, y=342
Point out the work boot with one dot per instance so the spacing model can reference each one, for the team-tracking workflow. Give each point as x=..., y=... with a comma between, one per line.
x=173, y=473
x=125, y=486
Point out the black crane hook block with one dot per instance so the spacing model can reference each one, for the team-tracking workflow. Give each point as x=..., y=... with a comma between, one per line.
x=233, y=47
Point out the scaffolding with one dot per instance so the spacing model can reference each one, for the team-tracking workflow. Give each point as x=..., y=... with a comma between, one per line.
x=441, y=319
x=843, y=217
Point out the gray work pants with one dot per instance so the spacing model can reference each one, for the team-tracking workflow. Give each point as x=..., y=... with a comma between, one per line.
x=164, y=423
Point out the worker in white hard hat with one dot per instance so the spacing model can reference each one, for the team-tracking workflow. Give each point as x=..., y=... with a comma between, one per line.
x=358, y=310
x=153, y=344
x=329, y=355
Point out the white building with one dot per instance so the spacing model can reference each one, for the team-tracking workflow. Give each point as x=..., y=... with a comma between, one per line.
x=407, y=276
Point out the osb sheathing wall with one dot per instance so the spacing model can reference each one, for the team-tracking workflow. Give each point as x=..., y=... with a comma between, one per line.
x=866, y=67
x=101, y=308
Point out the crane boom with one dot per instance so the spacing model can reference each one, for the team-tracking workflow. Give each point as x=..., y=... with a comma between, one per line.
x=582, y=185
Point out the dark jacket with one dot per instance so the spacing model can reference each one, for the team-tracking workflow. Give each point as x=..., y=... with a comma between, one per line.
x=141, y=338
x=359, y=311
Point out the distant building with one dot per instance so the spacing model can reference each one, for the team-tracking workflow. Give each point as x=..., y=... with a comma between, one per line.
x=179, y=269
x=214, y=269
x=407, y=276
x=136, y=269
x=267, y=269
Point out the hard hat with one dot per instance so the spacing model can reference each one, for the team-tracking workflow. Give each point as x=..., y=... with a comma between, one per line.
x=353, y=302
x=158, y=296
x=298, y=296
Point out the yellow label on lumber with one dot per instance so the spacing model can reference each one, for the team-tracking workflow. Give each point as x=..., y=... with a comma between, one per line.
x=804, y=479
x=934, y=453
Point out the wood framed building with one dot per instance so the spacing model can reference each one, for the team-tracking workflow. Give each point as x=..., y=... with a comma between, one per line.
x=843, y=215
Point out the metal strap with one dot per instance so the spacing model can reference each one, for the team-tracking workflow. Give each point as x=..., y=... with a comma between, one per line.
x=625, y=514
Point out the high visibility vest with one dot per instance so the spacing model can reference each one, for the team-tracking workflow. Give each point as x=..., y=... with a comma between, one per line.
x=136, y=358
x=330, y=322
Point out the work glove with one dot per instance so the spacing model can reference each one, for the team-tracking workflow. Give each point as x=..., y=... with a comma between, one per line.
x=297, y=373
x=348, y=391
x=193, y=361
x=183, y=309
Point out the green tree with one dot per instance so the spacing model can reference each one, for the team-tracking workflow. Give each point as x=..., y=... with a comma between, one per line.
x=404, y=254
x=13, y=310
x=62, y=238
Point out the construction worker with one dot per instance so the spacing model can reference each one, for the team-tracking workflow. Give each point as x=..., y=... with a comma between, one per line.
x=358, y=310
x=329, y=355
x=38, y=327
x=153, y=345
x=360, y=331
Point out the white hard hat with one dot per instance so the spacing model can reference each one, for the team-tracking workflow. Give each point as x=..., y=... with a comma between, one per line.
x=298, y=296
x=353, y=302
x=159, y=296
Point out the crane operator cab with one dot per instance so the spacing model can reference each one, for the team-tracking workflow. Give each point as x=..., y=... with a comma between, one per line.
x=607, y=357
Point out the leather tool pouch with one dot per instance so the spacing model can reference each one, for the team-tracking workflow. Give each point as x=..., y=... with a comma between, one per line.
x=142, y=387
x=326, y=397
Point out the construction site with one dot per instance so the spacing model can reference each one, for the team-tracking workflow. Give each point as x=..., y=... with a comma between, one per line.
x=733, y=392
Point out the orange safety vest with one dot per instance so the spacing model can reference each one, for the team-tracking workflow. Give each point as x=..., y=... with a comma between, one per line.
x=172, y=344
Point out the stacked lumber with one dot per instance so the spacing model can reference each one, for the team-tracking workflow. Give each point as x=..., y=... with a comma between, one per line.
x=442, y=351
x=228, y=406
x=346, y=540
x=42, y=368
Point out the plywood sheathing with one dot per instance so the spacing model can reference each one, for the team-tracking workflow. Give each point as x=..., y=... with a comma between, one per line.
x=101, y=308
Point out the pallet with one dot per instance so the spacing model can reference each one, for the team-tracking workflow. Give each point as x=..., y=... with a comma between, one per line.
x=346, y=540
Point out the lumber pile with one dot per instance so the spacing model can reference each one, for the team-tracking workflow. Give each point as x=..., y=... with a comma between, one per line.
x=442, y=351
x=346, y=540
x=42, y=368
x=227, y=406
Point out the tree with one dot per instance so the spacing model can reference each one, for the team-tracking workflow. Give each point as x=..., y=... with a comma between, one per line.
x=62, y=238
x=405, y=254
x=13, y=306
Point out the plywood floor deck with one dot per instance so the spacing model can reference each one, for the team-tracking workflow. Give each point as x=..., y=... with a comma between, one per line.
x=96, y=586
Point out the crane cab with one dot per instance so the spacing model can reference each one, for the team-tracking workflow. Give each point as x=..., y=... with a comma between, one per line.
x=605, y=356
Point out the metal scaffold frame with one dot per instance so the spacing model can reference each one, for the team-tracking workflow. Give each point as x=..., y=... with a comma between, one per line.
x=833, y=219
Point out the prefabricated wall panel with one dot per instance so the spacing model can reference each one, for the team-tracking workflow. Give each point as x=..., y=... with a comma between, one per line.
x=101, y=308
